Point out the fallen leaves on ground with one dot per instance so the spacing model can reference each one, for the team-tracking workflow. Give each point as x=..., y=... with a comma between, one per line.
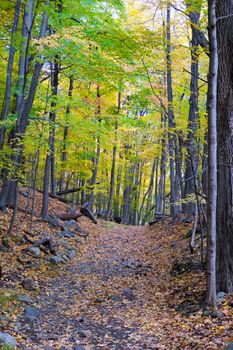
x=129, y=288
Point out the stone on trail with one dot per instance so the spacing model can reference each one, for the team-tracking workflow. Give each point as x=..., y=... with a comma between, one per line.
x=25, y=299
x=72, y=254
x=84, y=333
x=84, y=347
x=28, y=284
x=57, y=259
x=34, y=251
x=66, y=234
x=72, y=226
x=7, y=340
x=31, y=313
x=128, y=293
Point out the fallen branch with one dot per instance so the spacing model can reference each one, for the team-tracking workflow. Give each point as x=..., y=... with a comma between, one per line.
x=71, y=215
x=45, y=242
x=88, y=213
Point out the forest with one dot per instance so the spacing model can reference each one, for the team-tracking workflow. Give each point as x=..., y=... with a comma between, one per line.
x=116, y=180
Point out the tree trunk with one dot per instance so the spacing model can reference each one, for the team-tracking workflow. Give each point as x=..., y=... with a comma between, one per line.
x=212, y=160
x=191, y=161
x=112, y=181
x=97, y=158
x=66, y=129
x=24, y=57
x=50, y=154
x=7, y=97
x=8, y=188
x=171, y=123
x=224, y=10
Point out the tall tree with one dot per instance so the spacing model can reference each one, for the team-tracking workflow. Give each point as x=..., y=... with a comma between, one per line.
x=224, y=10
x=211, y=300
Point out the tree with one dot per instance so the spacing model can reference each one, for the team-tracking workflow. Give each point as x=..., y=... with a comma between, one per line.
x=211, y=300
x=224, y=10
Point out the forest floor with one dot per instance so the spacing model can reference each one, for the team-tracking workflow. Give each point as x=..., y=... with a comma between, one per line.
x=128, y=288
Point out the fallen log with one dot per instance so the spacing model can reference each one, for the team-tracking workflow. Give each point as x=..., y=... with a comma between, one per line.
x=72, y=190
x=53, y=221
x=88, y=213
x=54, y=196
x=45, y=242
x=73, y=214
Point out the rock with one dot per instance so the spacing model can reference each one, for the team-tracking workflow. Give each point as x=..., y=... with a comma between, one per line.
x=217, y=314
x=57, y=259
x=79, y=347
x=66, y=234
x=4, y=249
x=221, y=295
x=7, y=340
x=28, y=284
x=17, y=326
x=70, y=225
x=25, y=299
x=34, y=251
x=229, y=346
x=49, y=348
x=31, y=313
x=72, y=254
x=84, y=333
x=128, y=293
x=73, y=226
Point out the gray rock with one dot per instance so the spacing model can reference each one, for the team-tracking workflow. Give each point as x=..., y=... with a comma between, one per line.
x=57, y=259
x=73, y=226
x=7, y=340
x=20, y=267
x=49, y=348
x=84, y=333
x=128, y=293
x=17, y=326
x=229, y=346
x=72, y=254
x=31, y=314
x=221, y=295
x=66, y=234
x=25, y=299
x=79, y=347
x=65, y=257
x=28, y=284
x=34, y=251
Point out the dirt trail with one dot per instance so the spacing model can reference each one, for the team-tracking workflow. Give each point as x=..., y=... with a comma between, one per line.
x=97, y=302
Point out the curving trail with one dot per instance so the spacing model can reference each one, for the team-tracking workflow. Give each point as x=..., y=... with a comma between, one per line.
x=130, y=288
x=97, y=301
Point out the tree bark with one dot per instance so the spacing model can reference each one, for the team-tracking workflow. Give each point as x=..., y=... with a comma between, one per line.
x=7, y=97
x=112, y=181
x=212, y=160
x=224, y=10
x=171, y=123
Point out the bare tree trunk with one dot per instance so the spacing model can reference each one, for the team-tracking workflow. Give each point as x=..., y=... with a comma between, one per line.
x=50, y=152
x=148, y=192
x=224, y=10
x=112, y=181
x=212, y=160
x=97, y=158
x=9, y=185
x=66, y=129
x=191, y=161
x=7, y=98
x=171, y=122
x=24, y=58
